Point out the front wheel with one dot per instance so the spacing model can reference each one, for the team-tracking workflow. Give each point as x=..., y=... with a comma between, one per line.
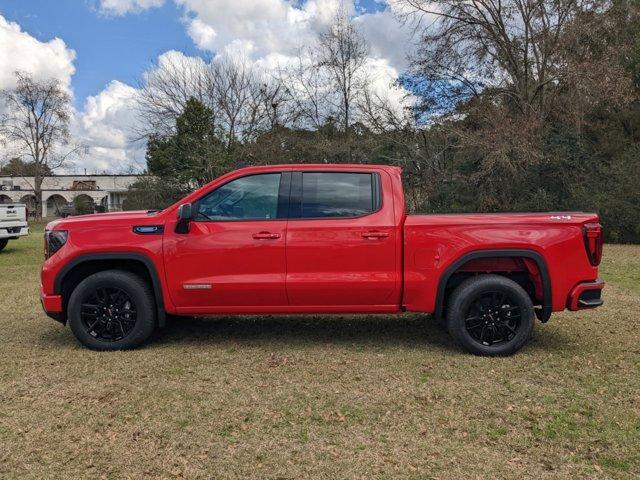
x=490, y=315
x=112, y=310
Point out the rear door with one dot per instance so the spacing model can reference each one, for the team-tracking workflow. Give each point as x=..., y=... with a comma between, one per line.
x=341, y=240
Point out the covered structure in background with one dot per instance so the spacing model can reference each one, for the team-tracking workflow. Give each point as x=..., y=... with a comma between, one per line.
x=100, y=192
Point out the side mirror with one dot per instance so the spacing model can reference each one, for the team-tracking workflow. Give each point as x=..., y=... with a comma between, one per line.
x=185, y=215
x=185, y=212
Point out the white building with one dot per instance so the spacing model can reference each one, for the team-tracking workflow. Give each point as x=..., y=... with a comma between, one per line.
x=105, y=191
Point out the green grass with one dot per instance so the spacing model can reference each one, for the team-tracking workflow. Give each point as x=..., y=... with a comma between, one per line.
x=623, y=266
x=319, y=397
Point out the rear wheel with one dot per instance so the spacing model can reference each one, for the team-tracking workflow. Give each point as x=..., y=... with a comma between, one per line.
x=112, y=310
x=490, y=315
x=3, y=243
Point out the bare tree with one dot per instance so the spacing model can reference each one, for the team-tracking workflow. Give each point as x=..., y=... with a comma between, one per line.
x=306, y=87
x=36, y=123
x=325, y=85
x=240, y=99
x=342, y=51
x=237, y=94
x=511, y=48
x=277, y=103
x=379, y=113
x=504, y=71
x=166, y=90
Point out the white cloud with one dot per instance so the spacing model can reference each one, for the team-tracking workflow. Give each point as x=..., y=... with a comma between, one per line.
x=387, y=37
x=202, y=34
x=176, y=59
x=122, y=7
x=106, y=126
x=382, y=76
x=260, y=27
x=282, y=27
x=21, y=51
x=270, y=33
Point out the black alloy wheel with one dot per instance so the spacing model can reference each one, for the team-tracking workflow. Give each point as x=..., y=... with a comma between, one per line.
x=493, y=318
x=490, y=315
x=112, y=310
x=108, y=314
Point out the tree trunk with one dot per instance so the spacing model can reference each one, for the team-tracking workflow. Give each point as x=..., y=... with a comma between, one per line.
x=37, y=191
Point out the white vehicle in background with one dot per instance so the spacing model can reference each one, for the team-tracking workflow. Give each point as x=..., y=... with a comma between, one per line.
x=13, y=222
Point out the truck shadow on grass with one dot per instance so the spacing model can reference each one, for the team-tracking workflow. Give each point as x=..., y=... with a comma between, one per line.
x=405, y=331
x=372, y=330
x=409, y=331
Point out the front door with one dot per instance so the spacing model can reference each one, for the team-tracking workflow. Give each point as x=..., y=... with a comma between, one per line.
x=234, y=252
x=341, y=243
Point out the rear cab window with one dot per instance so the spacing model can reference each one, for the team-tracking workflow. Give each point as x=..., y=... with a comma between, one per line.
x=318, y=195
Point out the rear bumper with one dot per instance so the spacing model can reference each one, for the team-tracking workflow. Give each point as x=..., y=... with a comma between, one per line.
x=13, y=231
x=52, y=306
x=586, y=295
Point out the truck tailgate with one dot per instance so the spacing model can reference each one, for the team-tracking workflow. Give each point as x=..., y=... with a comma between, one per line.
x=13, y=213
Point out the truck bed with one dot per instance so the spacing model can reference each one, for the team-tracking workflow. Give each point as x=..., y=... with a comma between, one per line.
x=432, y=243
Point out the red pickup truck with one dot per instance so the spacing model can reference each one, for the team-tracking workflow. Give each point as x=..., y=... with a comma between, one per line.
x=301, y=239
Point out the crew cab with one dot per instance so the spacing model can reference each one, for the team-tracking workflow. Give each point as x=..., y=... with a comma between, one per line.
x=321, y=239
x=13, y=222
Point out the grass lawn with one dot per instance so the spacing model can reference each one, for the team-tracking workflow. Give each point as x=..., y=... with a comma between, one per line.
x=320, y=397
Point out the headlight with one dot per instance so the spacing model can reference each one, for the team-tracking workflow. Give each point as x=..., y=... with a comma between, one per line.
x=53, y=241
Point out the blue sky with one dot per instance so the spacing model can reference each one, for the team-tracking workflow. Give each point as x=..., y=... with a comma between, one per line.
x=107, y=47
x=110, y=47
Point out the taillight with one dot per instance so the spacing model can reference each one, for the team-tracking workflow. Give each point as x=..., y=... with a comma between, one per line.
x=593, y=239
x=53, y=241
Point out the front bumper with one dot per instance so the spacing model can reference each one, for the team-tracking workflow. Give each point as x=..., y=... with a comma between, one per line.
x=586, y=295
x=52, y=306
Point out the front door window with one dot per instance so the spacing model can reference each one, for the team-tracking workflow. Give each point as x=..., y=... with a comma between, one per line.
x=248, y=198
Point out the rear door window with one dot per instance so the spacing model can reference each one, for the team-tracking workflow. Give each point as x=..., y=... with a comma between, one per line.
x=336, y=194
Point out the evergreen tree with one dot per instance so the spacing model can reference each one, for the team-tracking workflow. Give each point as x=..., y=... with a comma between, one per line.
x=193, y=155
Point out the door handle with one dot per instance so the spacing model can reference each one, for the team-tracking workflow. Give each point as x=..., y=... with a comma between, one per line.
x=375, y=234
x=266, y=236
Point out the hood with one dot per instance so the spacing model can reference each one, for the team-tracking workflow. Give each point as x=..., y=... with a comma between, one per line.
x=102, y=219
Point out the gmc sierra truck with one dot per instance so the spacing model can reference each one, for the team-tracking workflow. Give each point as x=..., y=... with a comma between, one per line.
x=298, y=239
x=13, y=222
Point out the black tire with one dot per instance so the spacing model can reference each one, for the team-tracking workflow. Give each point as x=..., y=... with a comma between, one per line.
x=490, y=315
x=112, y=310
x=3, y=243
